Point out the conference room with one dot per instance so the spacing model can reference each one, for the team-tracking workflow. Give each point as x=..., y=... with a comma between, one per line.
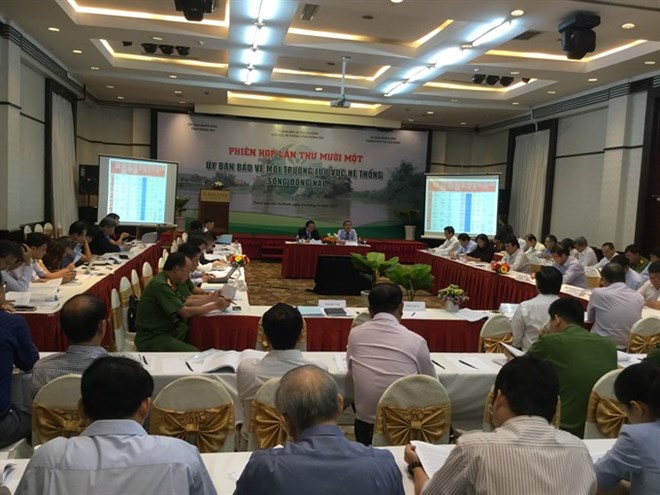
x=264, y=115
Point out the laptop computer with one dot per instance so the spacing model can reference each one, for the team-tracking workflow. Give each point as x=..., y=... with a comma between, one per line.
x=223, y=279
x=224, y=239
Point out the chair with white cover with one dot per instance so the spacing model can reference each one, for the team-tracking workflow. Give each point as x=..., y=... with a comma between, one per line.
x=125, y=292
x=487, y=424
x=165, y=254
x=605, y=414
x=135, y=284
x=196, y=409
x=26, y=230
x=147, y=273
x=495, y=330
x=117, y=321
x=415, y=407
x=55, y=410
x=48, y=229
x=161, y=263
x=184, y=237
x=38, y=228
x=149, y=238
x=263, y=344
x=644, y=335
x=175, y=247
x=593, y=277
x=266, y=424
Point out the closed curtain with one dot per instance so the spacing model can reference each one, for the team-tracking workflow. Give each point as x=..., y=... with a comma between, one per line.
x=64, y=163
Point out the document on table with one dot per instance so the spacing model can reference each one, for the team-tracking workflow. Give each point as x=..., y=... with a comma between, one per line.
x=431, y=456
x=6, y=471
x=471, y=315
x=469, y=364
x=18, y=298
x=340, y=363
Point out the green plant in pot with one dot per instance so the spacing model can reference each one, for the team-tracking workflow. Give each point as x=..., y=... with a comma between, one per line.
x=412, y=278
x=409, y=217
x=373, y=265
x=180, y=205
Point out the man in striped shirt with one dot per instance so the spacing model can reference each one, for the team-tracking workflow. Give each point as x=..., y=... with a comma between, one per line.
x=525, y=454
x=83, y=321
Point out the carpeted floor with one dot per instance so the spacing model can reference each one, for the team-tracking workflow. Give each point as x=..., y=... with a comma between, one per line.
x=267, y=287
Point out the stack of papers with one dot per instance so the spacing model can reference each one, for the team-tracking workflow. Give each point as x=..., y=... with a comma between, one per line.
x=471, y=315
x=335, y=312
x=215, y=361
x=431, y=456
x=311, y=311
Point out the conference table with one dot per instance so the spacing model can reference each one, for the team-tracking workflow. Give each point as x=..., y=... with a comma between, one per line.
x=300, y=258
x=99, y=278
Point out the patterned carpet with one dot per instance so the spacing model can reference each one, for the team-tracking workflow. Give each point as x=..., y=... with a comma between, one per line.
x=267, y=287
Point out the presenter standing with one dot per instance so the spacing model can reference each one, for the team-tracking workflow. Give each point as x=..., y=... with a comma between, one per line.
x=347, y=233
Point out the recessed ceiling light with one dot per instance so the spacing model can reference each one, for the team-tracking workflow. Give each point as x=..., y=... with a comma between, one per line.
x=77, y=52
x=411, y=120
x=109, y=86
x=396, y=1
x=515, y=103
x=592, y=79
x=517, y=13
x=551, y=92
x=514, y=72
x=54, y=29
x=178, y=92
x=157, y=38
x=173, y=76
x=120, y=97
x=463, y=123
x=318, y=89
x=182, y=102
x=628, y=25
x=649, y=62
x=430, y=112
x=454, y=100
x=94, y=67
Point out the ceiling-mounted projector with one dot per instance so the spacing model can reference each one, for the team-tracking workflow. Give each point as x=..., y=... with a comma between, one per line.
x=340, y=102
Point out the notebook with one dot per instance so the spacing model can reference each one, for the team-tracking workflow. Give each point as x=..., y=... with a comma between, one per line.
x=222, y=279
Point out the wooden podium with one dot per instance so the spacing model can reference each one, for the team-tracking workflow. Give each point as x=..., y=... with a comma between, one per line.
x=214, y=204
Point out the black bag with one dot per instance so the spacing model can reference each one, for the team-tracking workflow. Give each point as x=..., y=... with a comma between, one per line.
x=131, y=315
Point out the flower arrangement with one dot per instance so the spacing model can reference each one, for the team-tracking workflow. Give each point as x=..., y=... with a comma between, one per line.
x=238, y=260
x=217, y=185
x=500, y=267
x=330, y=239
x=454, y=294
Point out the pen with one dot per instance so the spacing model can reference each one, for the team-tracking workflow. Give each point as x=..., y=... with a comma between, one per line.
x=188, y=365
x=144, y=360
x=438, y=364
x=467, y=364
x=413, y=314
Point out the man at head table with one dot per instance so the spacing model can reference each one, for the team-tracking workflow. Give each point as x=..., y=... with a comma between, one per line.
x=308, y=231
x=347, y=233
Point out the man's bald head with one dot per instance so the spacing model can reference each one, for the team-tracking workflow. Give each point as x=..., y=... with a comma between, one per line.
x=80, y=317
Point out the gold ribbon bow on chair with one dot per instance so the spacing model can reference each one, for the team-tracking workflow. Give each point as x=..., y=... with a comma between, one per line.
x=608, y=415
x=267, y=425
x=400, y=425
x=494, y=344
x=205, y=428
x=52, y=422
x=643, y=344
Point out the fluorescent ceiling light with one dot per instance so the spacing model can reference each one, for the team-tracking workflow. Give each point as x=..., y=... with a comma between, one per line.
x=305, y=101
x=431, y=34
x=474, y=87
x=493, y=34
x=562, y=58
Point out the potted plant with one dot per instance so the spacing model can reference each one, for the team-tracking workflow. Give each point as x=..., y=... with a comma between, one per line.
x=372, y=265
x=411, y=218
x=412, y=278
x=180, y=206
x=453, y=296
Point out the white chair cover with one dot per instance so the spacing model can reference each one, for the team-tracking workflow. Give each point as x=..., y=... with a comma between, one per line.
x=184, y=237
x=60, y=394
x=644, y=335
x=427, y=406
x=27, y=230
x=38, y=228
x=117, y=321
x=605, y=414
x=175, y=246
x=165, y=254
x=125, y=291
x=495, y=329
x=161, y=263
x=135, y=284
x=266, y=425
x=201, y=398
x=147, y=273
x=149, y=238
x=48, y=229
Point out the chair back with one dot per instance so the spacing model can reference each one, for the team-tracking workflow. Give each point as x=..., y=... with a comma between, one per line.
x=165, y=254
x=135, y=284
x=644, y=335
x=48, y=229
x=125, y=292
x=147, y=273
x=117, y=319
x=26, y=230
x=38, y=228
x=487, y=424
x=262, y=343
x=149, y=238
x=196, y=409
x=161, y=263
x=414, y=407
x=266, y=426
x=184, y=237
x=605, y=414
x=55, y=410
x=179, y=240
x=495, y=330
x=174, y=247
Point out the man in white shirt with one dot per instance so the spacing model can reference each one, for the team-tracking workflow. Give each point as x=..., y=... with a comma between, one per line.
x=451, y=243
x=614, y=308
x=534, y=247
x=653, y=256
x=381, y=351
x=115, y=454
x=608, y=253
x=532, y=315
x=571, y=269
x=633, y=279
x=586, y=255
x=467, y=244
x=524, y=455
x=650, y=291
x=515, y=257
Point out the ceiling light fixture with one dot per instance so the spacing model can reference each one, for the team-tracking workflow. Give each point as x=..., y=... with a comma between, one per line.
x=478, y=78
x=120, y=98
x=149, y=48
x=396, y=1
x=396, y=88
x=649, y=62
x=492, y=80
x=166, y=49
x=515, y=103
x=551, y=92
x=592, y=79
x=628, y=25
x=93, y=67
x=77, y=52
x=514, y=72
x=493, y=33
x=318, y=89
x=517, y=13
x=183, y=51
x=505, y=81
x=54, y=29
x=430, y=112
x=109, y=86
x=173, y=76
x=157, y=38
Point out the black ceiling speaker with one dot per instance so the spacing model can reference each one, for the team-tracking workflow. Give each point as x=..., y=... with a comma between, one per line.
x=194, y=10
x=506, y=81
x=478, y=78
x=88, y=179
x=149, y=48
x=492, y=80
x=577, y=37
x=166, y=49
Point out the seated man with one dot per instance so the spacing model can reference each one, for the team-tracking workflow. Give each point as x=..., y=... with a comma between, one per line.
x=37, y=244
x=632, y=278
x=615, y=307
x=308, y=231
x=571, y=269
x=209, y=225
x=320, y=460
x=531, y=316
x=115, y=454
x=484, y=250
x=102, y=237
x=16, y=349
x=283, y=327
x=650, y=291
x=81, y=251
x=165, y=306
x=579, y=358
x=347, y=233
x=16, y=266
x=451, y=243
x=608, y=253
x=653, y=256
x=550, y=242
x=467, y=244
x=534, y=247
x=634, y=255
x=586, y=255
x=515, y=256
x=525, y=455
x=83, y=322
x=379, y=352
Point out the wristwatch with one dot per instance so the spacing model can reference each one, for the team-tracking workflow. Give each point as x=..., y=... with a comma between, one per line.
x=412, y=466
